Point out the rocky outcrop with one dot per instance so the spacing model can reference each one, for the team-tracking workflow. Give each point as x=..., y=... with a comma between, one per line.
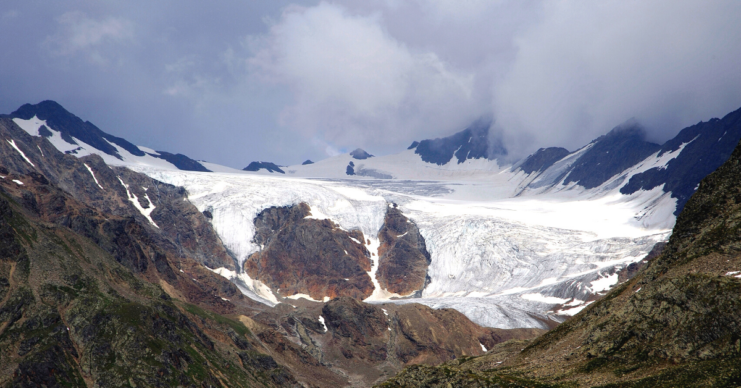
x=257, y=166
x=180, y=161
x=473, y=142
x=302, y=255
x=542, y=159
x=402, y=256
x=360, y=154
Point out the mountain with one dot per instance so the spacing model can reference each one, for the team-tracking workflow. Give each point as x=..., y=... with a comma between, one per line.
x=360, y=154
x=674, y=324
x=69, y=134
x=702, y=148
x=621, y=160
x=269, y=167
x=470, y=143
x=109, y=277
x=474, y=245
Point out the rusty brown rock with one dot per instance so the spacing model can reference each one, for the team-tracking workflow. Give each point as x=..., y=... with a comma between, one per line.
x=308, y=256
x=402, y=256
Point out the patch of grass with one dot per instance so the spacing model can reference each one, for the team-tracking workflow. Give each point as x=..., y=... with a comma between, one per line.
x=195, y=310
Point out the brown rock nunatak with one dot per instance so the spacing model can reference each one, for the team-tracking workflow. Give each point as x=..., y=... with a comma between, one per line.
x=308, y=256
x=402, y=256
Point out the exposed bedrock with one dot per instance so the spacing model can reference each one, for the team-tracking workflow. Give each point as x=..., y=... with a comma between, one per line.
x=303, y=255
x=403, y=256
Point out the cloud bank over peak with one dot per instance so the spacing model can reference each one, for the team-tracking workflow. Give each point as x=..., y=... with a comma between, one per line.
x=587, y=67
x=354, y=84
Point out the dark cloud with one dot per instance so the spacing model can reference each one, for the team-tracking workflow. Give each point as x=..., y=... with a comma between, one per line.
x=235, y=81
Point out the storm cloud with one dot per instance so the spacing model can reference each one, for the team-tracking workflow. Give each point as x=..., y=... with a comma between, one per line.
x=233, y=81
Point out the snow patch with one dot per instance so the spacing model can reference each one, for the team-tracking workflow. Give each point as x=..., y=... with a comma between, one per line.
x=573, y=311
x=604, y=283
x=18, y=182
x=483, y=347
x=324, y=326
x=253, y=289
x=544, y=299
x=135, y=201
x=12, y=142
x=96, y=179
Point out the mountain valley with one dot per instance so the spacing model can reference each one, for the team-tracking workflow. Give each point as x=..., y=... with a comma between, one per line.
x=125, y=266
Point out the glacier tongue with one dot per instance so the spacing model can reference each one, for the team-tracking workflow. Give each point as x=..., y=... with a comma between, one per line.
x=486, y=253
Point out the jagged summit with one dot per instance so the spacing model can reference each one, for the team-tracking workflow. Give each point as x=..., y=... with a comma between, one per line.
x=702, y=148
x=72, y=126
x=608, y=155
x=473, y=142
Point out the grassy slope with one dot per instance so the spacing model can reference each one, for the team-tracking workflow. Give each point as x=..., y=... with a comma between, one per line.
x=70, y=315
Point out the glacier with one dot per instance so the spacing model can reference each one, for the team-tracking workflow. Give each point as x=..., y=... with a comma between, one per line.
x=489, y=251
x=508, y=249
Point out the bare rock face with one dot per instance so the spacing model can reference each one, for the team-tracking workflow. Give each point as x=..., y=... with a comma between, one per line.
x=374, y=341
x=403, y=257
x=308, y=256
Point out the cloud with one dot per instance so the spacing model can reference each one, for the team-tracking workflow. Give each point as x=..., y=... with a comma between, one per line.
x=79, y=34
x=354, y=84
x=588, y=66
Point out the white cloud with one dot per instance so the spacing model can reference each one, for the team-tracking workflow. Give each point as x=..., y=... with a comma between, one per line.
x=355, y=84
x=79, y=34
x=588, y=66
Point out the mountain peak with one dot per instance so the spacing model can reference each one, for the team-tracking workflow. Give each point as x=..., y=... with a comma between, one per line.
x=631, y=128
x=473, y=142
x=69, y=125
x=360, y=154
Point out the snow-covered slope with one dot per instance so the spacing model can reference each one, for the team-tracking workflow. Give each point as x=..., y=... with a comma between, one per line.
x=69, y=134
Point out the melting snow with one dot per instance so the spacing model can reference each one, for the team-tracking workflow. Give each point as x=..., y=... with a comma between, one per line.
x=604, y=283
x=96, y=179
x=135, y=201
x=324, y=326
x=544, y=299
x=12, y=142
x=575, y=310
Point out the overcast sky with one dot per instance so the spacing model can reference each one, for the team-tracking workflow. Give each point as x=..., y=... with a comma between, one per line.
x=283, y=81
